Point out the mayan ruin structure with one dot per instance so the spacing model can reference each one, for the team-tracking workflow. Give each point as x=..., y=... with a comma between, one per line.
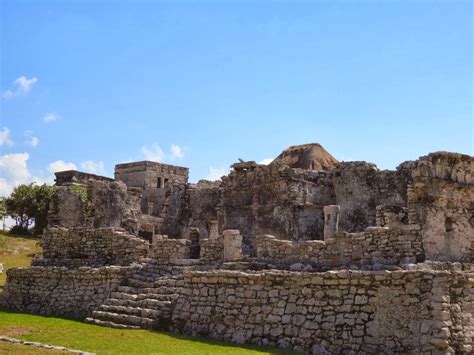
x=306, y=253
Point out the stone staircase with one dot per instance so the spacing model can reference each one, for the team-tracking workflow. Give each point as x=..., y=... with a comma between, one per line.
x=145, y=302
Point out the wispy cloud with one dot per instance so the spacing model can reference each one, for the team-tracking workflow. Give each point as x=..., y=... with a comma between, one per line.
x=266, y=161
x=61, y=165
x=5, y=137
x=154, y=152
x=21, y=86
x=31, y=139
x=50, y=117
x=176, y=151
x=93, y=167
x=216, y=173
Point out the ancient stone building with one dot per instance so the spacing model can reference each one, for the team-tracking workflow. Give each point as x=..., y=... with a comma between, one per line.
x=305, y=253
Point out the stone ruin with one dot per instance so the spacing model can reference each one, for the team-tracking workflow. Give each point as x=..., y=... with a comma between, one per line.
x=306, y=253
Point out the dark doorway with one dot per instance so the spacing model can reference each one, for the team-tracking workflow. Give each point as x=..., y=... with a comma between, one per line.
x=195, y=248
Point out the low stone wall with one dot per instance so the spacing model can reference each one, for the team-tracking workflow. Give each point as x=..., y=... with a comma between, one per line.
x=76, y=247
x=376, y=245
x=332, y=312
x=163, y=248
x=212, y=249
x=61, y=292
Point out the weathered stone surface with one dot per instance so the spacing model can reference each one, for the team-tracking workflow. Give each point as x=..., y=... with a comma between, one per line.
x=163, y=248
x=61, y=292
x=75, y=247
x=245, y=260
x=376, y=245
x=358, y=311
x=331, y=221
x=441, y=200
x=232, y=245
x=94, y=205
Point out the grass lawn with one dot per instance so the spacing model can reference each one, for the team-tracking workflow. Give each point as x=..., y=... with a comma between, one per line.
x=16, y=251
x=101, y=340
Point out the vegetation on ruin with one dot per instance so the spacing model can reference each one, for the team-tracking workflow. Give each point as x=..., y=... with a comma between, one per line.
x=16, y=251
x=84, y=194
x=101, y=340
x=81, y=190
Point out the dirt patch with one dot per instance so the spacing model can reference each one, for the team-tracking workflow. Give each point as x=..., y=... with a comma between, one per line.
x=15, y=331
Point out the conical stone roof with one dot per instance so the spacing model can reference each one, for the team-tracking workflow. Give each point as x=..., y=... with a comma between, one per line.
x=310, y=156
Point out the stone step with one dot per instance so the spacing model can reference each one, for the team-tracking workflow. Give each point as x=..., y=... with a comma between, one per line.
x=150, y=303
x=174, y=271
x=170, y=297
x=149, y=277
x=136, y=311
x=163, y=290
x=123, y=319
x=123, y=296
x=140, y=284
x=127, y=289
x=110, y=324
x=169, y=282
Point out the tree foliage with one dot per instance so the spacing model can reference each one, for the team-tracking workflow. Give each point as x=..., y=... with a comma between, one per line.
x=29, y=204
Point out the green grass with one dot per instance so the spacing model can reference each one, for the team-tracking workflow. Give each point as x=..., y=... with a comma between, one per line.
x=16, y=251
x=101, y=340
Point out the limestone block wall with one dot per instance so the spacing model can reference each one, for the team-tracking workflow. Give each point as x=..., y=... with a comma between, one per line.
x=212, y=250
x=441, y=200
x=331, y=312
x=163, y=248
x=375, y=245
x=61, y=292
x=74, y=247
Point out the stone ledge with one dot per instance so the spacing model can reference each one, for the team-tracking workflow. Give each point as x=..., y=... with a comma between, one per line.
x=41, y=345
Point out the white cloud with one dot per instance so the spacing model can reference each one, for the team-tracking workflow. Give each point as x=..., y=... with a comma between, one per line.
x=14, y=171
x=266, y=161
x=5, y=137
x=21, y=86
x=50, y=117
x=61, y=165
x=93, y=167
x=216, y=173
x=31, y=139
x=176, y=152
x=154, y=153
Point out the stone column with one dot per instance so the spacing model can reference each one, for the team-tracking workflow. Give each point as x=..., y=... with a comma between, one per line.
x=232, y=245
x=213, y=229
x=331, y=220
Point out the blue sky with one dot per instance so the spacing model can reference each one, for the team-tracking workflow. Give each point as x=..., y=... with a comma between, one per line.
x=94, y=83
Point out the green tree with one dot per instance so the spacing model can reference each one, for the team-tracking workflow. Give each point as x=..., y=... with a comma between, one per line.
x=29, y=204
x=3, y=211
